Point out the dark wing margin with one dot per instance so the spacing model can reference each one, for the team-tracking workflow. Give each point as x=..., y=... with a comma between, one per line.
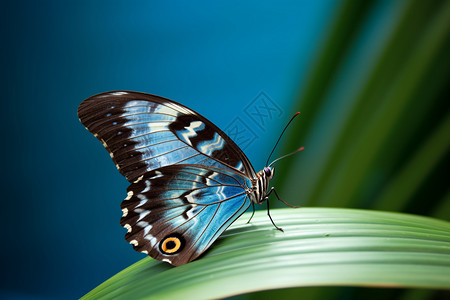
x=144, y=132
x=189, y=204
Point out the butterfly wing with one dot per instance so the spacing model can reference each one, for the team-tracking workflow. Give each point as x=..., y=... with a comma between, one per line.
x=176, y=212
x=143, y=132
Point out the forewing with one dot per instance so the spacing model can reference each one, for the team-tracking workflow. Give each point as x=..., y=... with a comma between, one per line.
x=143, y=132
x=191, y=203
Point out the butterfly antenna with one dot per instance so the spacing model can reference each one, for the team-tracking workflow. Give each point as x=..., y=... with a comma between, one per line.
x=289, y=154
x=280, y=139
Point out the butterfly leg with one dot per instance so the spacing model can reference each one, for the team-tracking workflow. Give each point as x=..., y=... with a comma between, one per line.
x=270, y=217
x=279, y=198
x=253, y=213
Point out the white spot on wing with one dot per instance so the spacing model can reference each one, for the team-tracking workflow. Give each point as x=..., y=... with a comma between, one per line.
x=143, y=214
x=147, y=229
x=142, y=224
x=141, y=203
x=145, y=225
x=167, y=260
x=134, y=242
x=208, y=147
x=104, y=143
x=147, y=186
x=190, y=198
x=142, y=197
x=129, y=195
x=191, y=213
x=158, y=174
x=139, y=179
x=220, y=191
x=144, y=251
x=127, y=227
x=209, y=181
x=190, y=130
x=151, y=239
x=119, y=93
x=124, y=212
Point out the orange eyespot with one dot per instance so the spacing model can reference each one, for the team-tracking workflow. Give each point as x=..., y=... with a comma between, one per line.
x=171, y=245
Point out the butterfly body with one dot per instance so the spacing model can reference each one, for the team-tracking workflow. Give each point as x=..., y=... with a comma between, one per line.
x=260, y=185
x=189, y=180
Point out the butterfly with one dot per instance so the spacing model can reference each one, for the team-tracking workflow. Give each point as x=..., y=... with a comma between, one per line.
x=189, y=180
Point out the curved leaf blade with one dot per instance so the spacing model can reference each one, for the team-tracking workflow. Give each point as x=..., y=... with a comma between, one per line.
x=320, y=246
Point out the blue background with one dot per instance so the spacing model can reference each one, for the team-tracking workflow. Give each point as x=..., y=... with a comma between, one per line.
x=61, y=192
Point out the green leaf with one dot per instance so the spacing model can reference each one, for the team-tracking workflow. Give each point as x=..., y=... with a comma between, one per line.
x=319, y=247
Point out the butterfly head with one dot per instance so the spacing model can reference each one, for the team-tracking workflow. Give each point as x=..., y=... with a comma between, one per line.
x=268, y=172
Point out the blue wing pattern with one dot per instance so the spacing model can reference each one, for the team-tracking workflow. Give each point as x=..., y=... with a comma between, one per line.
x=193, y=202
x=143, y=132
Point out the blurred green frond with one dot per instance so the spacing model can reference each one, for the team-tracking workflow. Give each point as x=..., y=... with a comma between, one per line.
x=375, y=122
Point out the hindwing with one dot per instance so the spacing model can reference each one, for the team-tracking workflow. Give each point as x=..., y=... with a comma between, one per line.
x=176, y=212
